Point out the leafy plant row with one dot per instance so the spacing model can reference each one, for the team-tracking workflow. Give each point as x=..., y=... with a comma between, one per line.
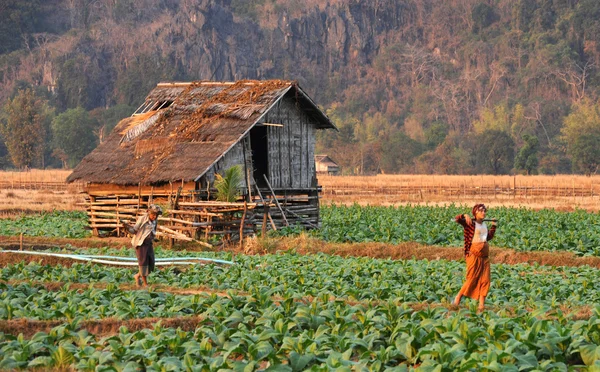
x=519, y=228
x=36, y=302
x=63, y=224
x=244, y=333
x=353, y=278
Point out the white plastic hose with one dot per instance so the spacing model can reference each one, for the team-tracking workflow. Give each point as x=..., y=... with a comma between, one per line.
x=124, y=261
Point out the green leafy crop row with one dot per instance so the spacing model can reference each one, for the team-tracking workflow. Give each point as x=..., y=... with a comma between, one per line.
x=519, y=228
x=62, y=224
x=354, y=278
x=245, y=333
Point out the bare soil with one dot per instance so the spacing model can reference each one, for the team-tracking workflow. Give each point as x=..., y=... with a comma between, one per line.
x=99, y=328
x=304, y=245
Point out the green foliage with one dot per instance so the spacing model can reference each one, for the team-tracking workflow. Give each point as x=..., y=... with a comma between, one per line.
x=18, y=19
x=436, y=134
x=23, y=125
x=527, y=159
x=398, y=150
x=246, y=9
x=495, y=152
x=77, y=79
x=521, y=229
x=502, y=118
x=73, y=132
x=287, y=317
x=581, y=133
x=5, y=161
x=483, y=16
x=140, y=77
x=228, y=186
x=524, y=64
x=56, y=224
x=110, y=117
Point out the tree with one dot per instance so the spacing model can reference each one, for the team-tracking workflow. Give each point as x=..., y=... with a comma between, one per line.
x=109, y=118
x=495, y=152
x=17, y=20
x=398, y=152
x=77, y=83
x=483, y=16
x=4, y=155
x=527, y=158
x=23, y=128
x=73, y=132
x=497, y=119
x=581, y=133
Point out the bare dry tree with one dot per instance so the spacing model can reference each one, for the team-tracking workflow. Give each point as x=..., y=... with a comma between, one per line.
x=575, y=76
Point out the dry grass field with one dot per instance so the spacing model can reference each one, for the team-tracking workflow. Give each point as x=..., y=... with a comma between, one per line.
x=13, y=201
x=35, y=175
x=565, y=192
x=37, y=191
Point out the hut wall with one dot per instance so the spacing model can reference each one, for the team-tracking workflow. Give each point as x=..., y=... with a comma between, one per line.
x=235, y=156
x=291, y=147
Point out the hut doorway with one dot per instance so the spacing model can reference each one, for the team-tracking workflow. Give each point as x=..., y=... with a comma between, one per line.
x=260, y=154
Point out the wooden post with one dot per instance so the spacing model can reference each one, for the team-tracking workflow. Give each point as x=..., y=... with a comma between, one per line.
x=276, y=201
x=139, y=197
x=247, y=170
x=264, y=224
x=209, y=220
x=266, y=208
x=242, y=224
x=95, y=229
x=118, y=221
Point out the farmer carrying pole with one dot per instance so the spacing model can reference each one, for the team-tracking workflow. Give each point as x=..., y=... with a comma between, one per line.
x=144, y=232
x=477, y=251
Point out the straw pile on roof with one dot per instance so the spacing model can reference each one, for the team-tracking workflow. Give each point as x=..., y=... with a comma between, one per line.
x=183, y=140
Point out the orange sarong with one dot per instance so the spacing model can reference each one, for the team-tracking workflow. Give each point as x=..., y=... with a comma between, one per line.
x=477, y=283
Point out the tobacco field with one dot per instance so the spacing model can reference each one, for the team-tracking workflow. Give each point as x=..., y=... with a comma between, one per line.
x=288, y=311
x=530, y=230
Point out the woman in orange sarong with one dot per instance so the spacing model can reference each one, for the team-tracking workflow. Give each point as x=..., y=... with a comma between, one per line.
x=477, y=251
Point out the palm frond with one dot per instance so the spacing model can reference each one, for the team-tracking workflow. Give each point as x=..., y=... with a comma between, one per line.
x=228, y=186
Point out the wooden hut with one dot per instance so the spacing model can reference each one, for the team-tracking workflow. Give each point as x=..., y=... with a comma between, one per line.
x=325, y=165
x=184, y=134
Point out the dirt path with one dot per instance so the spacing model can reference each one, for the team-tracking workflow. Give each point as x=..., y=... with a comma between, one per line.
x=305, y=245
x=99, y=328
x=110, y=326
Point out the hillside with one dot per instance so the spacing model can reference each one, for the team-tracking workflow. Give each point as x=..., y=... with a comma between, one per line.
x=459, y=86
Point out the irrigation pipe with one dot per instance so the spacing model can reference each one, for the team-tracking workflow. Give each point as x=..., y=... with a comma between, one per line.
x=123, y=261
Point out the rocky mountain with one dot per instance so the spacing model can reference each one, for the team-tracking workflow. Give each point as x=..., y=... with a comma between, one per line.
x=394, y=74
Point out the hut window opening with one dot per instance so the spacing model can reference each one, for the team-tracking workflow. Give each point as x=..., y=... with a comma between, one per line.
x=162, y=104
x=260, y=154
x=152, y=106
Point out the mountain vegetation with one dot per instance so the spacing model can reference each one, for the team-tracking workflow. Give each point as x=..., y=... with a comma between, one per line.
x=414, y=86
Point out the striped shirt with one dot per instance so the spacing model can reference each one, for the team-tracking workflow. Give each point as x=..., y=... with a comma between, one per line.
x=469, y=231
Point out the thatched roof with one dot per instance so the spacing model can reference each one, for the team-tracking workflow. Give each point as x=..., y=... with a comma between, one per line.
x=183, y=129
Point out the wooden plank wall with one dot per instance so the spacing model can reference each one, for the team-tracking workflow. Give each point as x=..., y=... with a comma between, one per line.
x=235, y=156
x=291, y=147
